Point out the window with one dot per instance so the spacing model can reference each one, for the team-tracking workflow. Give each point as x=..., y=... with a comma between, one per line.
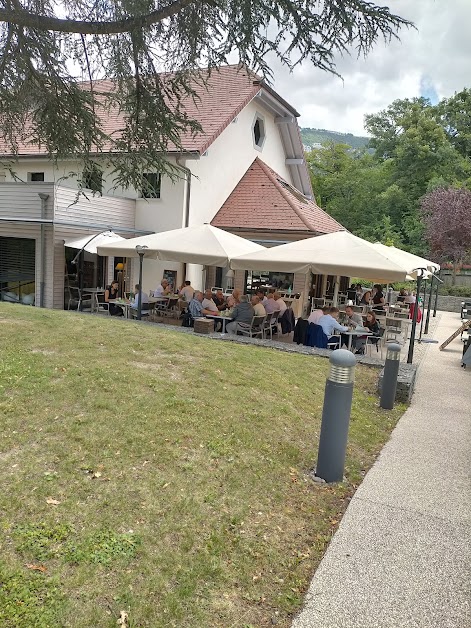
x=258, y=131
x=35, y=176
x=151, y=185
x=92, y=178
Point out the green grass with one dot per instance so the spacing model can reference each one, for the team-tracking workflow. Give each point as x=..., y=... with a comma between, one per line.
x=162, y=474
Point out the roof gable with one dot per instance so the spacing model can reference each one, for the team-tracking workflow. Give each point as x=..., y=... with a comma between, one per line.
x=263, y=200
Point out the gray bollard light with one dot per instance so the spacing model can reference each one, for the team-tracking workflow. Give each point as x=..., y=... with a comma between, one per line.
x=336, y=416
x=391, y=369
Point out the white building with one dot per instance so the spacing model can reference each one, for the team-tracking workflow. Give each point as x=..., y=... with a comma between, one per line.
x=245, y=173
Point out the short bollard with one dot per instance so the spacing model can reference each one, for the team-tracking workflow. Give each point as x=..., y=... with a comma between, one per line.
x=336, y=416
x=391, y=369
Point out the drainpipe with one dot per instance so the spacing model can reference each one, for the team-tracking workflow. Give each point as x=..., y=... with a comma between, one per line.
x=186, y=216
x=42, y=276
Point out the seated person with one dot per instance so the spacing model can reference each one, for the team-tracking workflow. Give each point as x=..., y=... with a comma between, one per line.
x=366, y=298
x=372, y=325
x=329, y=323
x=258, y=308
x=208, y=303
x=352, y=319
x=402, y=295
x=135, y=300
x=410, y=298
x=378, y=298
x=282, y=305
x=163, y=289
x=186, y=291
x=270, y=304
x=243, y=312
x=315, y=315
x=262, y=296
x=111, y=293
x=195, y=306
x=358, y=293
x=236, y=295
x=220, y=300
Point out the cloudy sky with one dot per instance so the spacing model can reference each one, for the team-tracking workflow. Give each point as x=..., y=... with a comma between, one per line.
x=432, y=61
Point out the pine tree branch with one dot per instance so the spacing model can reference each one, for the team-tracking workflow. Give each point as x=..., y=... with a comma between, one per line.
x=27, y=19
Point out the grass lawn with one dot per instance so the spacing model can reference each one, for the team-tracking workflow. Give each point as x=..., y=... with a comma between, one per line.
x=162, y=474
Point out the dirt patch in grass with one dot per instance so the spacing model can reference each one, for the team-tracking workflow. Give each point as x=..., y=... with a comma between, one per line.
x=162, y=474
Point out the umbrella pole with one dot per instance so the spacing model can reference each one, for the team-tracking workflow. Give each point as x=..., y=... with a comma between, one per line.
x=436, y=299
x=429, y=305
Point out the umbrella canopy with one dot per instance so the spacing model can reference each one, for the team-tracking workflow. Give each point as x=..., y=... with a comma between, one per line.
x=339, y=253
x=204, y=245
x=404, y=258
x=90, y=242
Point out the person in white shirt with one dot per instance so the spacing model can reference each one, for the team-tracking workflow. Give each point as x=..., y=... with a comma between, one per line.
x=187, y=291
x=262, y=297
x=208, y=303
x=315, y=315
x=135, y=300
x=258, y=308
x=329, y=323
x=163, y=289
x=282, y=305
x=353, y=318
x=271, y=305
x=410, y=298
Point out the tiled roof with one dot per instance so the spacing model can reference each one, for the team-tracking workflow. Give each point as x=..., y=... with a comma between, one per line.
x=263, y=200
x=227, y=91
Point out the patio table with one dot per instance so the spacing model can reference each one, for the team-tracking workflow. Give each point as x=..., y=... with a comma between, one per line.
x=93, y=292
x=126, y=305
x=355, y=332
x=223, y=319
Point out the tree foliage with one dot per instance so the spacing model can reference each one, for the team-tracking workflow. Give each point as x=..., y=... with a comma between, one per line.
x=417, y=149
x=447, y=218
x=46, y=44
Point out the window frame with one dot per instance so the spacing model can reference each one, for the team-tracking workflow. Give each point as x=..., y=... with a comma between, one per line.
x=260, y=120
x=94, y=175
x=157, y=187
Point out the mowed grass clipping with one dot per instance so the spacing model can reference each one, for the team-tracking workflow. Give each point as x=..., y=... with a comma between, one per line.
x=162, y=474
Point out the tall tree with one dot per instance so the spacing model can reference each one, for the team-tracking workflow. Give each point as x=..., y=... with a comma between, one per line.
x=130, y=42
x=447, y=217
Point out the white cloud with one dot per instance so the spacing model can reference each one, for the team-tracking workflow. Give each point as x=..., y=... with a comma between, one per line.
x=438, y=52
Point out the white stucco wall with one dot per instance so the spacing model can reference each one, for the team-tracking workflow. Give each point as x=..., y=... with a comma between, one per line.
x=227, y=160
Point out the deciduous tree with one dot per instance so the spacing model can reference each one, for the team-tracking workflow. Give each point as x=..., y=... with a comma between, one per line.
x=447, y=217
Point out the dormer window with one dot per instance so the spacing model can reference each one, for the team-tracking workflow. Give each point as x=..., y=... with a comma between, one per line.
x=258, y=132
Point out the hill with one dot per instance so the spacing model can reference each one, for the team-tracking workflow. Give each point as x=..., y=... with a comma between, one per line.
x=311, y=137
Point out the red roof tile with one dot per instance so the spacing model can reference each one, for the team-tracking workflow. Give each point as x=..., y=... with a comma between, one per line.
x=264, y=200
x=227, y=91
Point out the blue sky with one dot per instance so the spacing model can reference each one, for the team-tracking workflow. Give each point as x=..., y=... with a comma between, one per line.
x=432, y=61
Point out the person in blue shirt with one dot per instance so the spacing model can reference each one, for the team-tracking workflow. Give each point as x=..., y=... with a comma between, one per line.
x=330, y=324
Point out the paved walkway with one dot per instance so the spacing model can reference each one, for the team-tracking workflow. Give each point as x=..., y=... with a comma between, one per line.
x=401, y=556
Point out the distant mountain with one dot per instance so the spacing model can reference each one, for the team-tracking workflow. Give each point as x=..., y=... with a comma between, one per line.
x=314, y=137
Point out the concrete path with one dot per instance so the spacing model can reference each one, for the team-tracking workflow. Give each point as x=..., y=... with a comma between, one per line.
x=401, y=556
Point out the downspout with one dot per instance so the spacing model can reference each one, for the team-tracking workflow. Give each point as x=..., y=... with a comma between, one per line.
x=42, y=246
x=186, y=215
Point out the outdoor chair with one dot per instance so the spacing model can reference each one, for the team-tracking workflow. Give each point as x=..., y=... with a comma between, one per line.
x=393, y=329
x=100, y=304
x=75, y=297
x=270, y=323
x=375, y=341
x=252, y=329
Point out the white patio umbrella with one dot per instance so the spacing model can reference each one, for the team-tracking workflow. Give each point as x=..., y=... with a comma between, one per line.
x=404, y=258
x=90, y=242
x=204, y=244
x=339, y=253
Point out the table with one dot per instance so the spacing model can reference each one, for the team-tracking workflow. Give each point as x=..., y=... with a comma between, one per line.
x=354, y=332
x=93, y=292
x=223, y=319
x=126, y=305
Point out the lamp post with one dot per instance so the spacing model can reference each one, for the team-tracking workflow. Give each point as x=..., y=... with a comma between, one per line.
x=410, y=355
x=141, y=251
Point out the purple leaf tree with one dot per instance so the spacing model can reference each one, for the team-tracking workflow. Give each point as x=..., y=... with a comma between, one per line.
x=447, y=217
